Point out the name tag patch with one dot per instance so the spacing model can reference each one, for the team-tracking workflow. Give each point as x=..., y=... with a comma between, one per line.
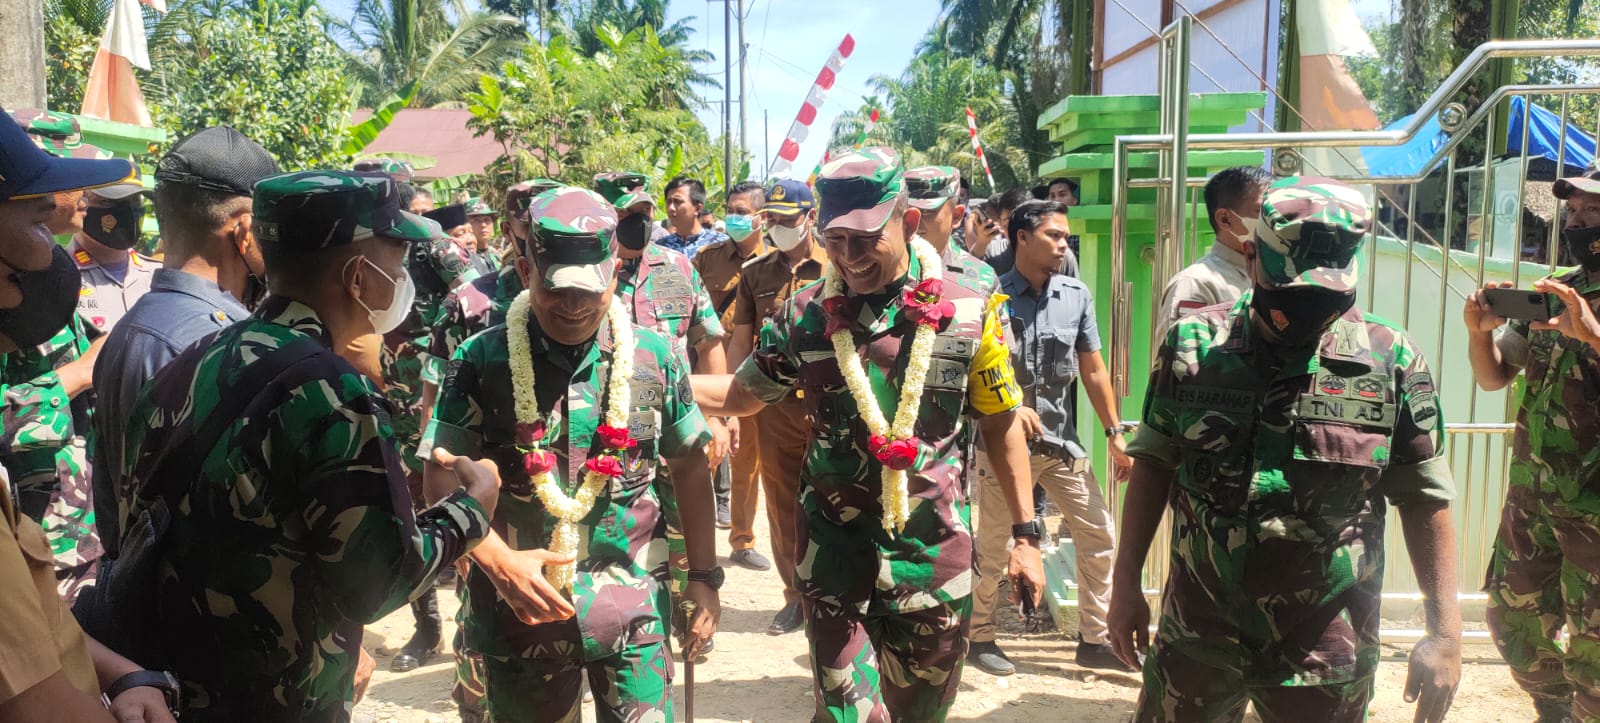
x=1214, y=398
x=1358, y=412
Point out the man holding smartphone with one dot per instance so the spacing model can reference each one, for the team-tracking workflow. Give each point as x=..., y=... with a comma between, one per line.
x=1543, y=567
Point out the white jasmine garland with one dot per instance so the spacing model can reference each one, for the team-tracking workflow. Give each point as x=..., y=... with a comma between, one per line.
x=894, y=498
x=568, y=510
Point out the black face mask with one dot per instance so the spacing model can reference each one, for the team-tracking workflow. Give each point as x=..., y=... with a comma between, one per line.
x=1297, y=317
x=1584, y=243
x=49, y=298
x=115, y=226
x=633, y=232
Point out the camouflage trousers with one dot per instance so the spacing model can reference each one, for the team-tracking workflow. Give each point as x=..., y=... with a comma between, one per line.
x=634, y=686
x=1544, y=573
x=904, y=666
x=468, y=691
x=1180, y=689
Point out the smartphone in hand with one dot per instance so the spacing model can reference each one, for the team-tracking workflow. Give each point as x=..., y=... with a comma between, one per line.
x=1520, y=304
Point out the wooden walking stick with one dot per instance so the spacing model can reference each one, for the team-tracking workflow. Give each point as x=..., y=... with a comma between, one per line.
x=688, y=608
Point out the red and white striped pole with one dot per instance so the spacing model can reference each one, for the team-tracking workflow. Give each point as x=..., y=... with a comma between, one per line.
x=872, y=122
x=808, y=110
x=977, y=148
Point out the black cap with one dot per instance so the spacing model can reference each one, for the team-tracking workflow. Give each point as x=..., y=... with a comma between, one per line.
x=217, y=159
x=448, y=217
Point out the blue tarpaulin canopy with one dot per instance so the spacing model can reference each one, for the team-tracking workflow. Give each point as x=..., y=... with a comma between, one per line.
x=1544, y=141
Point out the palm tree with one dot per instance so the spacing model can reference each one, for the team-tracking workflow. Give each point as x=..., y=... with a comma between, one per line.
x=401, y=41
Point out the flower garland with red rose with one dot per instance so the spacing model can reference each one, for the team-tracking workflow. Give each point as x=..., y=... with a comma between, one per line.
x=539, y=462
x=894, y=445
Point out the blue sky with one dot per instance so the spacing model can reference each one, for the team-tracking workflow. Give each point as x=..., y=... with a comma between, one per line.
x=789, y=41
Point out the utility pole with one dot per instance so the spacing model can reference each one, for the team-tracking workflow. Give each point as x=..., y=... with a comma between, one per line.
x=727, y=93
x=744, y=50
x=766, y=146
x=22, y=59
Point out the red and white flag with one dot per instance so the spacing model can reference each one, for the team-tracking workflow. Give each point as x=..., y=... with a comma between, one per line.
x=977, y=148
x=808, y=110
x=113, y=92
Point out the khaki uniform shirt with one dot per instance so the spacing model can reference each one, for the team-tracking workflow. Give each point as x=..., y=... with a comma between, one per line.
x=39, y=636
x=1219, y=277
x=102, y=298
x=719, y=265
x=767, y=281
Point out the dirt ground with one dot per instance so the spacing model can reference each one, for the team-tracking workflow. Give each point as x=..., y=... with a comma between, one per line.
x=752, y=676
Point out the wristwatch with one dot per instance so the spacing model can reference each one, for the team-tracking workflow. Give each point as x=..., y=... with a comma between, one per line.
x=712, y=578
x=158, y=679
x=1032, y=528
x=1123, y=428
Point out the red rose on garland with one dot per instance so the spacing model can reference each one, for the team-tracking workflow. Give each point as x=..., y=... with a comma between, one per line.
x=842, y=313
x=898, y=454
x=538, y=462
x=616, y=437
x=925, y=303
x=606, y=465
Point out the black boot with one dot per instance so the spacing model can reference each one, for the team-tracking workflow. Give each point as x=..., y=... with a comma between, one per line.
x=424, y=644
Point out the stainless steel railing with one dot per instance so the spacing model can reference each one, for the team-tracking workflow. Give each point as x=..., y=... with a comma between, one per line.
x=1478, y=435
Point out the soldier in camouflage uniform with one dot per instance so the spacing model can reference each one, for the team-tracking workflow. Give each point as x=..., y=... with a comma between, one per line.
x=1277, y=427
x=294, y=527
x=468, y=310
x=400, y=171
x=538, y=643
x=933, y=190
x=1544, y=567
x=48, y=459
x=437, y=267
x=886, y=611
x=661, y=290
x=481, y=218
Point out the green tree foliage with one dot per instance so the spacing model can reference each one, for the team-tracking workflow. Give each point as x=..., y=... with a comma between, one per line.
x=270, y=70
x=442, y=45
x=924, y=117
x=71, y=38
x=564, y=114
x=588, y=25
x=1417, y=49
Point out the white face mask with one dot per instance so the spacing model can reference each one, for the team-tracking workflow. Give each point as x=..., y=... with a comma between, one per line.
x=1250, y=225
x=786, y=238
x=405, y=293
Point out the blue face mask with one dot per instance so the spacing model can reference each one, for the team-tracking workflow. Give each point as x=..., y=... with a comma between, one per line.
x=739, y=226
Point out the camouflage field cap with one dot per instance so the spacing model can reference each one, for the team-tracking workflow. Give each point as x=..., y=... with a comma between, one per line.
x=520, y=196
x=1310, y=231
x=314, y=210
x=859, y=190
x=1589, y=182
x=28, y=171
x=57, y=133
x=400, y=171
x=931, y=187
x=476, y=207
x=625, y=189
x=789, y=197
x=572, y=239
